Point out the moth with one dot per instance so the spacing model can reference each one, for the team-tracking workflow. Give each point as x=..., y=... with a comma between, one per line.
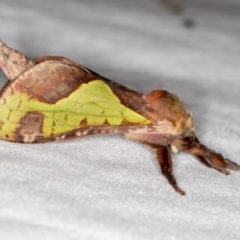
x=53, y=98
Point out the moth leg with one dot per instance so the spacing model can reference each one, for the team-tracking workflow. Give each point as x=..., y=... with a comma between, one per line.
x=202, y=160
x=214, y=159
x=165, y=162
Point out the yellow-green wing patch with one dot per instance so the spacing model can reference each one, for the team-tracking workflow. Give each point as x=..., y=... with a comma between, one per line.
x=93, y=103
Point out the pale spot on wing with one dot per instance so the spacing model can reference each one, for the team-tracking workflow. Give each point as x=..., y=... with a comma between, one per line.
x=28, y=138
x=60, y=137
x=79, y=133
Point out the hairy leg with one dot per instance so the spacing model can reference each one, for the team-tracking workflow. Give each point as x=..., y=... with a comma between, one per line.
x=165, y=162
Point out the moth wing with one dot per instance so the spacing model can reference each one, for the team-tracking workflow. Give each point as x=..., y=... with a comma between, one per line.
x=56, y=99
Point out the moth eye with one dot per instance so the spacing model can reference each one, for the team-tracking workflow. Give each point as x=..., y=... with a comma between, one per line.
x=188, y=140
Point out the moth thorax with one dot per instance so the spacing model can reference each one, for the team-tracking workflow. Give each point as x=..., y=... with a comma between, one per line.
x=168, y=105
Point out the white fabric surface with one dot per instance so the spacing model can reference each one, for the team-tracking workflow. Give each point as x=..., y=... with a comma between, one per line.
x=107, y=187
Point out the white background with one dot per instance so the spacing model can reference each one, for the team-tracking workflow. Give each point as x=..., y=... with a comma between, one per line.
x=107, y=187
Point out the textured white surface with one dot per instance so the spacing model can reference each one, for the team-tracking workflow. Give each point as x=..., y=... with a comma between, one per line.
x=106, y=187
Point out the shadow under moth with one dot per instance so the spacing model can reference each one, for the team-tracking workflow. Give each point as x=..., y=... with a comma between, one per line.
x=53, y=98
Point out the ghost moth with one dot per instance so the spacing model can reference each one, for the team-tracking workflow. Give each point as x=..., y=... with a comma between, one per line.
x=53, y=98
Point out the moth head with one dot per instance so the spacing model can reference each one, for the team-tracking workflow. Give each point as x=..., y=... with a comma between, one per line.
x=169, y=107
x=186, y=138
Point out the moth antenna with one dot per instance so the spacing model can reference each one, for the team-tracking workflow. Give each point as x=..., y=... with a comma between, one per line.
x=13, y=62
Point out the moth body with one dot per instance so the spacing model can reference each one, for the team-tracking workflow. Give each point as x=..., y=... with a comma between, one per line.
x=174, y=124
x=53, y=98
